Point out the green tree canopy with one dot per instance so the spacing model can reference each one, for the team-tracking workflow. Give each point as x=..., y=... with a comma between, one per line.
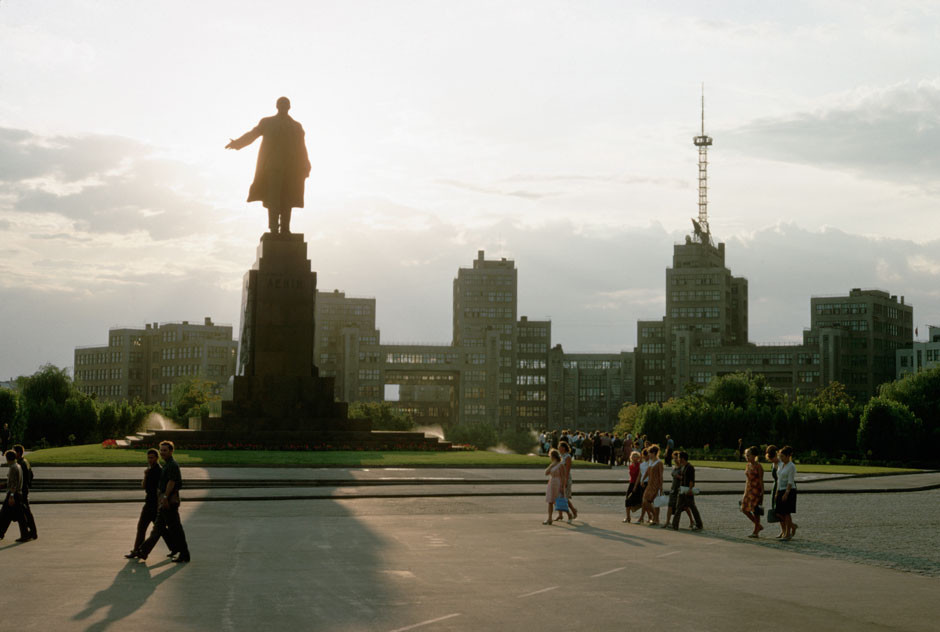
x=383, y=415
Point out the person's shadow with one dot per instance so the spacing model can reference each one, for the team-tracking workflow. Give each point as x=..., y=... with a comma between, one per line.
x=130, y=589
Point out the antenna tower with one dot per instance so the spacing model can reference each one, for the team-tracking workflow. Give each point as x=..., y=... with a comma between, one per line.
x=702, y=142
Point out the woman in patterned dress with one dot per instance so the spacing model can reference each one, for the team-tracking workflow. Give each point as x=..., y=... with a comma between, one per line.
x=555, y=471
x=753, y=490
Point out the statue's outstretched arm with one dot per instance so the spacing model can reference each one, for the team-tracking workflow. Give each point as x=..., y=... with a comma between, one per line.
x=245, y=140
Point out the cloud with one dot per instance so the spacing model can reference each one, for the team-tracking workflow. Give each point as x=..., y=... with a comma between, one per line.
x=105, y=184
x=889, y=133
x=528, y=195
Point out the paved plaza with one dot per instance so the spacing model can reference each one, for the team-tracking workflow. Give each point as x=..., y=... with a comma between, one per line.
x=476, y=562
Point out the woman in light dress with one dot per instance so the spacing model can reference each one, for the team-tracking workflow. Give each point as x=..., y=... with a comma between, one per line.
x=556, y=474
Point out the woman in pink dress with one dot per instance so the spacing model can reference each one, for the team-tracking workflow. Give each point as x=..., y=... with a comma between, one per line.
x=556, y=474
x=753, y=490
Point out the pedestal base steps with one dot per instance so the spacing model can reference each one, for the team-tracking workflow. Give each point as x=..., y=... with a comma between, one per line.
x=337, y=434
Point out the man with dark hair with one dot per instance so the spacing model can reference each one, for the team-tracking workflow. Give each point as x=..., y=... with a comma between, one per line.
x=14, y=497
x=148, y=514
x=27, y=470
x=168, y=525
x=686, y=492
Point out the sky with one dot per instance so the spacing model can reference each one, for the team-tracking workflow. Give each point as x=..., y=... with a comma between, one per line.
x=556, y=134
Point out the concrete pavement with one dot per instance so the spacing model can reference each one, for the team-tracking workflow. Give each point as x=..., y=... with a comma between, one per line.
x=461, y=564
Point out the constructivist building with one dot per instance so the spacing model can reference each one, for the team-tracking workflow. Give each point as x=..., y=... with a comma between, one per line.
x=499, y=369
x=145, y=364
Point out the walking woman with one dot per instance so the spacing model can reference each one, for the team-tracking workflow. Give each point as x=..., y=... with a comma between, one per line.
x=786, y=498
x=753, y=489
x=655, y=485
x=772, y=456
x=555, y=472
x=634, y=497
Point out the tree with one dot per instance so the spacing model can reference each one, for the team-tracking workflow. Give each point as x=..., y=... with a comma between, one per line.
x=833, y=394
x=191, y=397
x=888, y=429
x=382, y=415
x=920, y=393
x=626, y=419
x=7, y=407
x=42, y=400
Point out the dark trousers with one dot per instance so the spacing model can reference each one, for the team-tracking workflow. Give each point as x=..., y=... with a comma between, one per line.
x=147, y=517
x=168, y=527
x=10, y=513
x=686, y=502
x=28, y=515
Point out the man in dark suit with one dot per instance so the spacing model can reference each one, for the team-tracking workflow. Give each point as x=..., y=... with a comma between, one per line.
x=168, y=525
x=687, y=497
x=282, y=166
x=148, y=514
x=27, y=471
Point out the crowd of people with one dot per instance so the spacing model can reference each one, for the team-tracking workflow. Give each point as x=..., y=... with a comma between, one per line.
x=600, y=447
x=646, y=491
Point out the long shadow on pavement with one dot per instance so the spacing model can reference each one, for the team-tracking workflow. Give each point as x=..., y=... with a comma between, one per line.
x=131, y=588
x=607, y=534
x=300, y=565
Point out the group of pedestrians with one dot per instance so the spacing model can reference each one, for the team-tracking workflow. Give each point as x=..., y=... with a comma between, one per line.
x=161, y=508
x=16, y=501
x=783, y=495
x=646, y=491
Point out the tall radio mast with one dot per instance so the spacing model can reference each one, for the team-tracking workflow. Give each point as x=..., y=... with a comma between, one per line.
x=702, y=142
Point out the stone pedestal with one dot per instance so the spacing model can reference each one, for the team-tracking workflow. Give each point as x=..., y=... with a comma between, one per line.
x=278, y=386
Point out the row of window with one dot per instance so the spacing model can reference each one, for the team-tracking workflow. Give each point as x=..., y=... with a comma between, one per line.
x=592, y=364
x=695, y=295
x=699, y=279
x=106, y=390
x=488, y=312
x=851, y=325
x=88, y=375
x=827, y=309
x=695, y=312
x=421, y=358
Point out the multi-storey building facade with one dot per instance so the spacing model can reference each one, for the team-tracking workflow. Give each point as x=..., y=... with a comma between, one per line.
x=704, y=334
x=497, y=369
x=145, y=364
x=485, y=300
x=921, y=356
x=859, y=336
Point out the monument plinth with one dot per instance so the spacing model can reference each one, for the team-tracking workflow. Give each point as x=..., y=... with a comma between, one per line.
x=277, y=385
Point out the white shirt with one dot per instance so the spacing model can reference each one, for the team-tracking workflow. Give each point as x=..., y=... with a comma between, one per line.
x=644, y=466
x=786, y=475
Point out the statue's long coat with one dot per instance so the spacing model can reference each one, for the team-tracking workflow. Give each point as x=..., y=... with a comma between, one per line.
x=283, y=164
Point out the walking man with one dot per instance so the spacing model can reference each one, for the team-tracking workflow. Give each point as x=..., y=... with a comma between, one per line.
x=686, y=495
x=14, y=497
x=27, y=471
x=150, y=485
x=168, y=525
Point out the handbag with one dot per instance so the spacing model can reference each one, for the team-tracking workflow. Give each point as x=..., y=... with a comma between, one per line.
x=759, y=511
x=561, y=504
x=660, y=501
x=772, y=516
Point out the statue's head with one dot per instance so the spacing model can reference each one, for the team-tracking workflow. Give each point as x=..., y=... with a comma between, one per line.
x=283, y=105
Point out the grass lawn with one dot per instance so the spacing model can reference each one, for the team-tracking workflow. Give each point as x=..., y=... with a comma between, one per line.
x=811, y=469
x=94, y=454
